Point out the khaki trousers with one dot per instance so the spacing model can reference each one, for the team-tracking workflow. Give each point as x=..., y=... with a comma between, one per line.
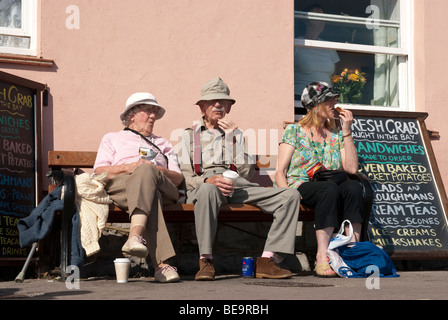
x=283, y=203
x=147, y=189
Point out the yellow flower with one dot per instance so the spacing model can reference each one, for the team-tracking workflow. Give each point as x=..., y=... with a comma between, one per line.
x=349, y=85
x=336, y=78
x=353, y=77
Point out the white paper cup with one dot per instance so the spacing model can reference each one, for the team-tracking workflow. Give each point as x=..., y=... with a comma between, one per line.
x=122, y=266
x=232, y=176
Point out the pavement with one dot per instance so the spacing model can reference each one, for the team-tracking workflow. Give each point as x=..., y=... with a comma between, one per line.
x=230, y=295
x=410, y=285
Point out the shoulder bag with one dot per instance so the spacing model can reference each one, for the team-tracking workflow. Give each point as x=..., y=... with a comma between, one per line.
x=336, y=176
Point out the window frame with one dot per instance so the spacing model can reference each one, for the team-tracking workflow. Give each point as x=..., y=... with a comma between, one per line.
x=404, y=53
x=29, y=29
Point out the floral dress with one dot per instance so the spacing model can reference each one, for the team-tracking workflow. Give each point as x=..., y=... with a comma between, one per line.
x=304, y=156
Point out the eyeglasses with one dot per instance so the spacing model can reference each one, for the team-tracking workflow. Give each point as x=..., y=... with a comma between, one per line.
x=148, y=109
x=222, y=102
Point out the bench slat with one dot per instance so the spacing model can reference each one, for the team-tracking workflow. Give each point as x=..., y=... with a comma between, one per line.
x=86, y=159
x=71, y=159
x=182, y=212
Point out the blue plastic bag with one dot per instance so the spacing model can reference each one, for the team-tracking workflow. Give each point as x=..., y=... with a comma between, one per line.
x=360, y=255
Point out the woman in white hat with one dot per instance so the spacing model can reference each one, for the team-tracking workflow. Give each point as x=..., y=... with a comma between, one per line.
x=142, y=174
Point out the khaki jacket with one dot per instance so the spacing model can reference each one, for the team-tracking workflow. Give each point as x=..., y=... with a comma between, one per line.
x=218, y=151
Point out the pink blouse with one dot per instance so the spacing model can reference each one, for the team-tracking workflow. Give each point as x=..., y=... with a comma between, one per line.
x=122, y=147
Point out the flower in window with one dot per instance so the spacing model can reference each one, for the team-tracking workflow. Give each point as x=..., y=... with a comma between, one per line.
x=349, y=85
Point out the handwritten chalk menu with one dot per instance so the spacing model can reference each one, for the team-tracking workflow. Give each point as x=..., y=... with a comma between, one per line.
x=408, y=217
x=17, y=161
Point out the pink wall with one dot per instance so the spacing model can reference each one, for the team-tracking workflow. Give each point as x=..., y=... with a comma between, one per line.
x=431, y=46
x=171, y=48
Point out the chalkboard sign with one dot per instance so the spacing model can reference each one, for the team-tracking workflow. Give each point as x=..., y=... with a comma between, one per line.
x=409, y=210
x=19, y=145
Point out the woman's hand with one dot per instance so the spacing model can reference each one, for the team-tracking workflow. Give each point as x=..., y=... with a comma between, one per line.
x=347, y=121
x=349, y=155
x=285, y=152
x=130, y=168
x=113, y=171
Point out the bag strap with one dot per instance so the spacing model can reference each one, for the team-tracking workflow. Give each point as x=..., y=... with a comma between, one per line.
x=341, y=230
x=197, y=154
x=149, y=142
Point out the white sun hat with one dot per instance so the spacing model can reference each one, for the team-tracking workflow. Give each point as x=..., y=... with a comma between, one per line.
x=139, y=98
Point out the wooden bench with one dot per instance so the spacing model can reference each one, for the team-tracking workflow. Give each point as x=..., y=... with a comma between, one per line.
x=64, y=164
x=179, y=212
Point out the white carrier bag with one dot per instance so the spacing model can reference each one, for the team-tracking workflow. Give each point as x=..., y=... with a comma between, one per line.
x=338, y=265
x=339, y=239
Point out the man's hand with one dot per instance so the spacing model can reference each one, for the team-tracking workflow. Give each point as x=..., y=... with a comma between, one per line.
x=226, y=125
x=223, y=184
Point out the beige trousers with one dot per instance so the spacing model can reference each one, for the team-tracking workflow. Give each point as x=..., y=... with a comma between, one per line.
x=147, y=189
x=283, y=203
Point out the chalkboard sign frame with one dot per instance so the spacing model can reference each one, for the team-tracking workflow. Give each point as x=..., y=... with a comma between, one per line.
x=36, y=89
x=420, y=117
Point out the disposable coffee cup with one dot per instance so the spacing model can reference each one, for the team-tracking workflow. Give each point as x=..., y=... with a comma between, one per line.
x=122, y=266
x=232, y=176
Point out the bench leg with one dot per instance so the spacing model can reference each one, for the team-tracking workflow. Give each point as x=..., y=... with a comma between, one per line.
x=67, y=217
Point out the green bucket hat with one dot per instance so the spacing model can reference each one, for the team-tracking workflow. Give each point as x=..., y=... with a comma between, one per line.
x=215, y=89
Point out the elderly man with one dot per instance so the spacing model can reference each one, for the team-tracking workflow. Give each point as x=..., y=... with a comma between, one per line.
x=142, y=173
x=207, y=150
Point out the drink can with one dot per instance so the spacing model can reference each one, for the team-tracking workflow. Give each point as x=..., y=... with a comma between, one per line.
x=248, y=267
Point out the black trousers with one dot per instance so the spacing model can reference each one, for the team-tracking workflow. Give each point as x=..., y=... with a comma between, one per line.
x=327, y=198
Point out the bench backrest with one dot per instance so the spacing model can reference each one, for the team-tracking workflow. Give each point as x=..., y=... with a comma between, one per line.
x=86, y=159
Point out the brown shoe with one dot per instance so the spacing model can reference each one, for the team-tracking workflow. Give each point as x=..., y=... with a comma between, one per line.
x=266, y=268
x=206, y=270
